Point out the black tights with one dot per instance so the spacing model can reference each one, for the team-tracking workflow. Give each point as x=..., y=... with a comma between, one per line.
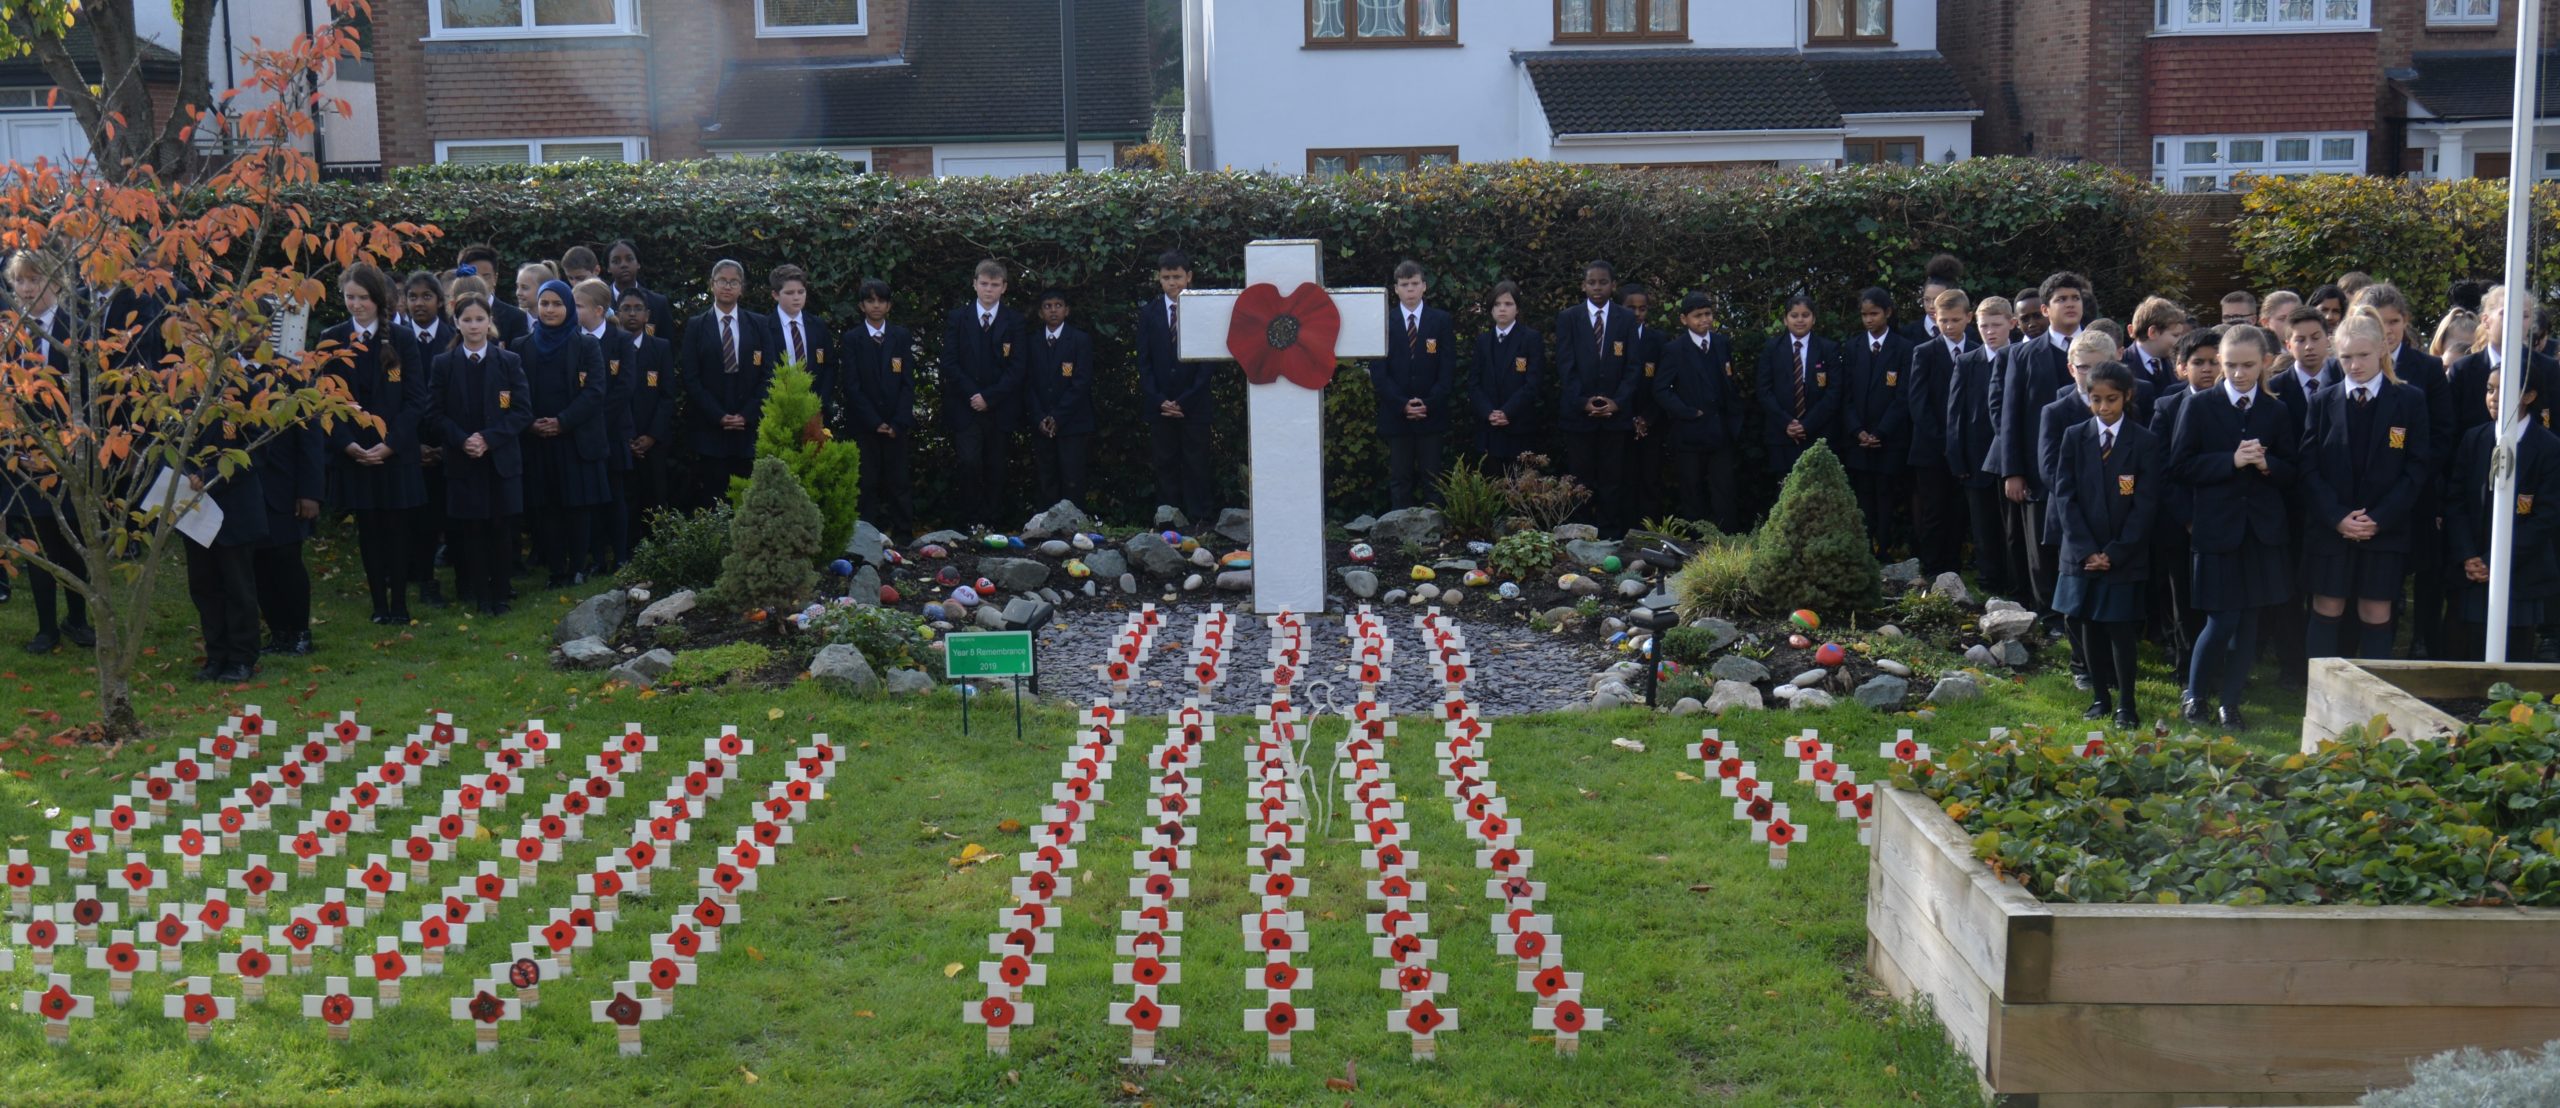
x=41, y=586
x=2111, y=651
x=383, y=538
x=560, y=534
x=482, y=552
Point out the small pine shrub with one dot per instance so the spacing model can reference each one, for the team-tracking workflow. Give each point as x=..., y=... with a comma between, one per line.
x=1715, y=581
x=794, y=428
x=773, y=547
x=1472, y=502
x=1523, y=556
x=682, y=551
x=718, y=664
x=1812, y=552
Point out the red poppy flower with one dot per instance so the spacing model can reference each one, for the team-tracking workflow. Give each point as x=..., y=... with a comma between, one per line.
x=377, y=878
x=315, y=753
x=1867, y=804
x=421, y=848
x=87, y=911
x=780, y=807
x=22, y=876
x=487, y=1008
x=641, y=855
x=120, y=817
x=367, y=794
x=1528, y=945
x=1826, y=771
x=258, y=879
x=42, y=934
x=292, y=774
x=306, y=845
x=1390, y=855
x=1292, y=336
x=714, y=768
x=253, y=724
x=1759, y=808
x=1145, y=1015
x=1279, y=977
x=665, y=973
x=607, y=882
x=696, y=784
x=1414, y=979
x=158, y=787
x=732, y=745
x=1147, y=971
x=122, y=957
x=998, y=1012
x=57, y=1003
x=1404, y=946
x=1015, y=969
x=559, y=935
x=432, y=932
x=170, y=930
x=574, y=802
x=536, y=739
x=1027, y=940
x=598, y=788
x=529, y=849
x=442, y=733
x=300, y=933
x=1516, y=888
x=1569, y=1017
x=347, y=731
x=623, y=1010
x=1424, y=1018
x=489, y=886
x=501, y=782
x=1781, y=833
x=389, y=965
x=79, y=841
x=334, y=913
x=199, y=1008
x=457, y=910
x=337, y=1008
x=709, y=913
x=634, y=741
x=138, y=875
x=1280, y=1018
x=1279, y=884
x=253, y=963
x=414, y=754
x=1549, y=981
x=1043, y=884
x=525, y=973
x=337, y=822
x=230, y=820
x=746, y=854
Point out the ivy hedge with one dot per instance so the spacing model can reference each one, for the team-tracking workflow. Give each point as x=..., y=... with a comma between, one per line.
x=2301, y=233
x=1747, y=239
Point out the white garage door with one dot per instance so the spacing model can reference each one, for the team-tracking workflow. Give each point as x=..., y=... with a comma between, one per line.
x=53, y=136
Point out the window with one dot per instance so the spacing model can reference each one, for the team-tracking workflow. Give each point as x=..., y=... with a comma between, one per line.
x=541, y=151
x=1881, y=151
x=2478, y=13
x=2216, y=17
x=1850, y=21
x=1620, y=20
x=2207, y=163
x=27, y=99
x=1387, y=159
x=1382, y=22
x=809, y=18
x=530, y=18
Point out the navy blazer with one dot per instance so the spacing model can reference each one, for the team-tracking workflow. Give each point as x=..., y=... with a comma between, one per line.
x=1824, y=390
x=512, y=321
x=988, y=361
x=1162, y=374
x=1878, y=403
x=2157, y=374
x=1689, y=388
x=293, y=466
x=2177, y=504
x=2066, y=408
x=2108, y=505
x=662, y=314
x=621, y=372
x=822, y=357
x=2233, y=504
x=2030, y=372
x=650, y=363
x=1421, y=366
x=499, y=411
x=397, y=397
x=569, y=385
x=1610, y=365
x=2467, y=389
x=711, y=391
x=241, y=496
x=1968, y=418
x=1925, y=392
x=1061, y=380
x=880, y=381
x=2386, y=480
x=2467, y=513
x=1509, y=374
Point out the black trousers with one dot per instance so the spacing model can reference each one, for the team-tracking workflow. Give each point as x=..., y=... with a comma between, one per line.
x=1724, y=490
x=283, y=584
x=426, y=530
x=1983, y=518
x=41, y=586
x=1937, y=519
x=1058, y=465
x=711, y=478
x=644, y=490
x=223, y=582
x=2175, y=619
x=888, y=498
x=982, y=448
x=1875, y=490
x=1650, y=460
x=1179, y=449
x=1598, y=459
x=2111, y=650
x=2031, y=567
x=482, y=550
x=382, y=538
x=2427, y=590
x=560, y=536
x=1413, y=465
x=608, y=528
x=1687, y=480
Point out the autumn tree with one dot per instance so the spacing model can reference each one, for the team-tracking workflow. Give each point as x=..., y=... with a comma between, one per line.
x=128, y=134
x=161, y=338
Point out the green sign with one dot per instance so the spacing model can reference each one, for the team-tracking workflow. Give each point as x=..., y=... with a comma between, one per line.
x=987, y=654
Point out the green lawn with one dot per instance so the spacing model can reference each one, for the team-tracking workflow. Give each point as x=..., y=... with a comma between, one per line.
x=1723, y=980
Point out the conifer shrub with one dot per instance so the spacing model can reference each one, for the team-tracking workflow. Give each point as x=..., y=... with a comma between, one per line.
x=773, y=545
x=1812, y=552
x=794, y=429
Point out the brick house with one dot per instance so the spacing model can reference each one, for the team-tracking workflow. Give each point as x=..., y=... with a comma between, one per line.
x=2193, y=92
x=913, y=87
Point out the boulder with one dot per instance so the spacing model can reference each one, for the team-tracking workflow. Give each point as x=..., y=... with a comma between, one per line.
x=1425, y=593
x=2005, y=626
x=1408, y=527
x=1152, y=555
x=1951, y=586
x=1361, y=524
x=1453, y=596
x=1978, y=655
x=946, y=539
x=1062, y=518
x=1129, y=583
x=1589, y=552
x=1810, y=678
x=1569, y=532
x=1883, y=692
x=1632, y=587
x=1056, y=548
x=645, y=670
x=1995, y=604
x=1169, y=516
x=1014, y=574
x=1236, y=580
x=1361, y=582
x=844, y=669
x=865, y=589
x=1394, y=596
x=1563, y=615
x=1809, y=700
x=909, y=682
x=1578, y=585
x=1201, y=557
x=1081, y=541
x=597, y=617
x=2012, y=654
x=868, y=544
x=1614, y=694
x=988, y=618
x=1660, y=600
x=1023, y=613
x=1955, y=688
x=588, y=654
x=1729, y=695
x=1905, y=572
x=1723, y=633
x=1735, y=667
x=1897, y=669
x=1687, y=706
x=1236, y=524
x=665, y=609
x=1107, y=564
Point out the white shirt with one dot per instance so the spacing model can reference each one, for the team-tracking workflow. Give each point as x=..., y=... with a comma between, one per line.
x=1701, y=340
x=1412, y=317
x=363, y=333
x=599, y=333
x=2062, y=342
x=2110, y=430
x=1955, y=350
x=427, y=334
x=987, y=315
x=879, y=333
x=476, y=354
x=1930, y=324
x=729, y=324
x=2361, y=390
x=1053, y=332
x=2236, y=395
x=2310, y=382
x=1599, y=315
x=1501, y=333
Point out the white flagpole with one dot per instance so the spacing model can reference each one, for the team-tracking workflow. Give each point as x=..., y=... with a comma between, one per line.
x=2521, y=299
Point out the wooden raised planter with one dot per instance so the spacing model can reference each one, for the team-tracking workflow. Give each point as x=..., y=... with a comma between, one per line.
x=2162, y=1005
x=2345, y=693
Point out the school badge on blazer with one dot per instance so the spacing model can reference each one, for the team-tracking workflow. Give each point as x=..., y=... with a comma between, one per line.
x=582, y=379
x=2524, y=503
x=653, y=378
x=1648, y=369
x=820, y=355
x=2399, y=438
x=897, y=365
x=391, y=377
x=1519, y=365
x=506, y=399
x=2124, y=485
x=1008, y=350
x=1430, y=346
x=1891, y=378
x=759, y=360
x=1617, y=350
x=1822, y=380
x=1066, y=369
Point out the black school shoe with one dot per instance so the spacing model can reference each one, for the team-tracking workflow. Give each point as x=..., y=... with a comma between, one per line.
x=431, y=594
x=2098, y=710
x=237, y=673
x=2129, y=719
x=81, y=635
x=2229, y=717
x=44, y=642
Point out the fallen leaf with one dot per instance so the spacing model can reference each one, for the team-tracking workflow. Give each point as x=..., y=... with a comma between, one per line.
x=1340, y=1086
x=972, y=852
x=953, y=970
x=865, y=1013
x=1130, y=1089
x=756, y=954
x=1009, y=826
x=1677, y=775
x=773, y=713
x=1013, y=1077
x=1702, y=888
x=749, y=1074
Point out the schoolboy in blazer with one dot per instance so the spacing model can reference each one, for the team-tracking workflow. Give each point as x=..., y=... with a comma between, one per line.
x=1874, y=441
x=986, y=353
x=622, y=265
x=1937, y=500
x=1801, y=388
x=802, y=333
x=1701, y=420
x=879, y=398
x=649, y=368
x=1973, y=384
x=726, y=365
x=1412, y=385
x=1180, y=405
x=1060, y=402
x=1510, y=375
x=1599, y=370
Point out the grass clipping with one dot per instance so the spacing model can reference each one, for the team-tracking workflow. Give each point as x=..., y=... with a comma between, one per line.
x=773, y=544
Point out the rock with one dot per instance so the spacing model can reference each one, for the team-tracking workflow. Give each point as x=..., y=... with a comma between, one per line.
x=1578, y=585
x=1201, y=557
x=1978, y=655
x=1169, y=516
x=588, y=654
x=1905, y=572
x=597, y=617
x=843, y=668
x=947, y=539
x=1129, y=583
x=1563, y=616
x=1053, y=597
x=1892, y=667
x=1951, y=586
x=936, y=613
x=1735, y=667
x=1090, y=589
x=1192, y=583
x=988, y=618
x=1955, y=688
x=1361, y=524
x=1236, y=580
x=1453, y=596
x=1883, y=692
x=1056, y=548
x=1687, y=706
x=1508, y=590
x=865, y=588
x=645, y=670
x=1361, y=582
x=1426, y=592
x=1810, y=678
x=909, y=682
x=1151, y=554
x=1729, y=695
x=2012, y=654
x=1889, y=631
x=967, y=597
x=1062, y=518
x=1236, y=524
x=1996, y=604
x=1570, y=532
x=1632, y=587
x=868, y=544
x=1614, y=694
x=1612, y=625
x=1589, y=552
x=1660, y=601
x=1108, y=564
x=1461, y=566
x=2006, y=626
x=1408, y=527
x=1810, y=700
x=1394, y=596
x=665, y=609
x=1723, y=632
x=1014, y=574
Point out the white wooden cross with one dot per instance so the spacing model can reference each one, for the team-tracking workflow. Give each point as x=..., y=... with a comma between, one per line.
x=1285, y=420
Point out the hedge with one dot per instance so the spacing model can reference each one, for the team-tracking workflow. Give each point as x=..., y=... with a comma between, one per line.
x=1747, y=239
x=2301, y=233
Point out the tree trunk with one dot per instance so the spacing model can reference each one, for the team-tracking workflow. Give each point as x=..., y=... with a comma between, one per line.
x=116, y=713
x=127, y=133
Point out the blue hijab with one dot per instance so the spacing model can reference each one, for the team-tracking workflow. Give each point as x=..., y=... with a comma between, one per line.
x=548, y=339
